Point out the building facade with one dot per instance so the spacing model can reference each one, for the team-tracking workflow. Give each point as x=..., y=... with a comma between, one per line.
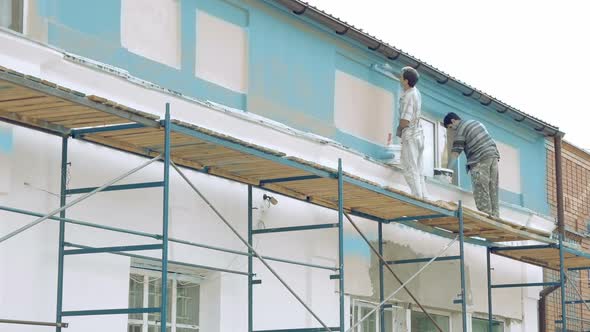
x=254, y=70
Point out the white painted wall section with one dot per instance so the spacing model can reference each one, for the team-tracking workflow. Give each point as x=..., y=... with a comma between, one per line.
x=222, y=52
x=362, y=109
x=151, y=28
x=509, y=168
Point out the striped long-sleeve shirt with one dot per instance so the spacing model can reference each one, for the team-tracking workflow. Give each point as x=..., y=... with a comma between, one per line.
x=473, y=138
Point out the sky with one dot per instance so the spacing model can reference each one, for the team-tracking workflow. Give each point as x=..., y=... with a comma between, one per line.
x=531, y=54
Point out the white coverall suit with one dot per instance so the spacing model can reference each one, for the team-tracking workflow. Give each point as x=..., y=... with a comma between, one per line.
x=412, y=141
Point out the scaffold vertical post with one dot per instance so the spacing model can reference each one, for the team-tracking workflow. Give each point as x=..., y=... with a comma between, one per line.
x=381, y=281
x=164, y=301
x=341, y=240
x=562, y=281
x=489, y=272
x=62, y=230
x=250, y=265
x=462, y=266
x=560, y=224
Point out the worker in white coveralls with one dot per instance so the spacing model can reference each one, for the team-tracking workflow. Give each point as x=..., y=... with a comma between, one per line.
x=410, y=132
x=482, y=154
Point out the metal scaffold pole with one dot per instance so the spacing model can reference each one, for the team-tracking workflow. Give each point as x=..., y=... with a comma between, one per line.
x=381, y=281
x=462, y=266
x=250, y=265
x=562, y=277
x=62, y=230
x=165, y=207
x=489, y=273
x=341, y=240
x=561, y=226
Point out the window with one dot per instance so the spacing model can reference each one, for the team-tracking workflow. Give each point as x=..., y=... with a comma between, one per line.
x=222, y=52
x=151, y=28
x=481, y=325
x=183, y=302
x=362, y=109
x=421, y=322
x=11, y=14
x=371, y=324
x=435, y=140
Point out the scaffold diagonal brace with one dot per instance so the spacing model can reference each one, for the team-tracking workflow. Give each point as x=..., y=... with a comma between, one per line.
x=76, y=201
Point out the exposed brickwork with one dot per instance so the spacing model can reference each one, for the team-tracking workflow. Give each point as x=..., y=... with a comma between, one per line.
x=576, y=173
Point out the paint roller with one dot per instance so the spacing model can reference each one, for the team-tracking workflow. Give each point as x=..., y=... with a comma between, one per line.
x=385, y=69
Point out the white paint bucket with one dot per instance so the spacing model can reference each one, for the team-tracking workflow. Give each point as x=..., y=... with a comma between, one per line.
x=444, y=175
x=392, y=154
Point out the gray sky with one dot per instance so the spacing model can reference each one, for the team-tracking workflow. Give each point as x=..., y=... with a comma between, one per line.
x=533, y=55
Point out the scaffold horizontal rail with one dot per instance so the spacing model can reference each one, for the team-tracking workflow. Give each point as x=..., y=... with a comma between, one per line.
x=532, y=284
x=142, y=247
x=423, y=260
x=527, y=247
x=33, y=323
x=294, y=228
x=290, y=179
x=76, y=133
x=100, y=312
x=412, y=218
x=129, y=186
x=153, y=259
x=579, y=268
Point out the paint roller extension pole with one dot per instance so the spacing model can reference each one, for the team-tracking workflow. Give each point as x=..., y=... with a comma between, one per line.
x=404, y=284
x=249, y=246
x=384, y=262
x=76, y=201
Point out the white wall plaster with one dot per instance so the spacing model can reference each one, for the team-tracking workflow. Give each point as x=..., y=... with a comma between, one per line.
x=151, y=28
x=362, y=109
x=222, y=52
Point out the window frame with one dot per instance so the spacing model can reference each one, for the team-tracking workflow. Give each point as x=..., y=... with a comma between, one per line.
x=17, y=16
x=496, y=320
x=438, y=130
x=172, y=277
x=357, y=305
x=434, y=312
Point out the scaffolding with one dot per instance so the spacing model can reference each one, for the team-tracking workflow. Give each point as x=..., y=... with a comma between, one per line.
x=24, y=101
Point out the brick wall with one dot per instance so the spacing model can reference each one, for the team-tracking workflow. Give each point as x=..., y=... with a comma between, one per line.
x=576, y=181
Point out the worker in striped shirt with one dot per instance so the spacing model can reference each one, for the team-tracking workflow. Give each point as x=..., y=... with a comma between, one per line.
x=482, y=160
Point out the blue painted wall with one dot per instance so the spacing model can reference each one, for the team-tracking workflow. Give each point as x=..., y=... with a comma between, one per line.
x=292, y=65
x=6, y=140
